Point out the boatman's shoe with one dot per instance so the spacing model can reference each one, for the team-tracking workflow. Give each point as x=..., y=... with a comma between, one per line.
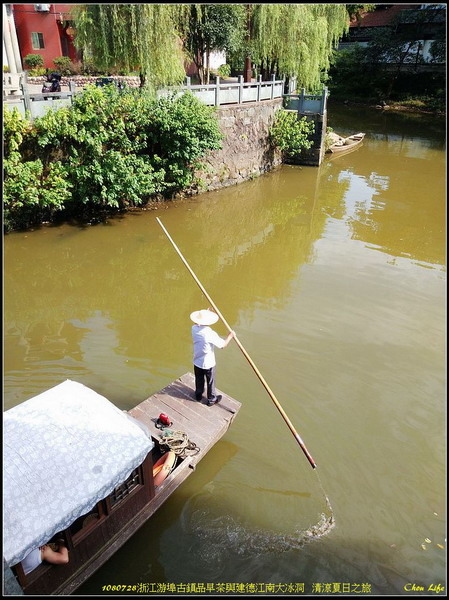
x=215, y=400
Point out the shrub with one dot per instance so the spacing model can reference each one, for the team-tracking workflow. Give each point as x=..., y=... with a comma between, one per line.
x=5, y=69
x=64, y=65
x=181, y=131
x=110, y=150
x=32, y=61
x=38, y=72
x=224, y=70
x=290, y=134
x=32, y=191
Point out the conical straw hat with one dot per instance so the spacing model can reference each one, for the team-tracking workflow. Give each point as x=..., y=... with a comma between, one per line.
x=204, y=317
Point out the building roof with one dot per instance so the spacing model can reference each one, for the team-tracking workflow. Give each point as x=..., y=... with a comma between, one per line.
x=64, y=450
x=382, y=17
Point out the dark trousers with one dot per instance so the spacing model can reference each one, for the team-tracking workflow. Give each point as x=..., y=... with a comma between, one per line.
x=200, y=376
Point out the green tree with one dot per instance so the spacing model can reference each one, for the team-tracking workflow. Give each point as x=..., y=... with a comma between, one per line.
x=292, y=39
x=351, y=76
x=387, y=68
x=211, y=27
x=438, y=51
x=132, y=37
x=392, y=48
x=356, y=11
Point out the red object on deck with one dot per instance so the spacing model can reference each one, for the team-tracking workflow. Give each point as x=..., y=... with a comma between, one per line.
x=164, y=419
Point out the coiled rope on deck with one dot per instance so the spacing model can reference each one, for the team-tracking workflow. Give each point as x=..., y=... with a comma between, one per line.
x=178, y=442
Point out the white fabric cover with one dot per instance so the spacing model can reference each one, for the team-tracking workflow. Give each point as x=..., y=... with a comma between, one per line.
x=64, y=450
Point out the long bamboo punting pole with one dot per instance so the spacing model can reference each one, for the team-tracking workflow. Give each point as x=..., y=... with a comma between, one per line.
x=245, y=353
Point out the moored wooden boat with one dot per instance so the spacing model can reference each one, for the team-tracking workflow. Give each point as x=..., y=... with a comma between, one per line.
x=341, y=144
x=78, y=468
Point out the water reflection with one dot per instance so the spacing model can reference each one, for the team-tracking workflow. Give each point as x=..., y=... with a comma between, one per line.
x=397, y=210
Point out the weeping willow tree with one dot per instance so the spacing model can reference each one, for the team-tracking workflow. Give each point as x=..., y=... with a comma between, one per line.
x=295, y=39
x=132, y=37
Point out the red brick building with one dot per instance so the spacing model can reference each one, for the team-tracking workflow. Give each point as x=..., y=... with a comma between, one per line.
x=44, y=29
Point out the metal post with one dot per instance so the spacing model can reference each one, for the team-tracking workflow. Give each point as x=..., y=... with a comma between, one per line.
x=240, y=89
x=217, y=92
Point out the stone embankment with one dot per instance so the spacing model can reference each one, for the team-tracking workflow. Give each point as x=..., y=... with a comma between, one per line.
x=246, y=151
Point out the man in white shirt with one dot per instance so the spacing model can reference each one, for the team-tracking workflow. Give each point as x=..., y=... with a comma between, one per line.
x=205, y=340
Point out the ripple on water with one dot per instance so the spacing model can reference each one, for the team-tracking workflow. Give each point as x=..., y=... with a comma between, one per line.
x=217, y=531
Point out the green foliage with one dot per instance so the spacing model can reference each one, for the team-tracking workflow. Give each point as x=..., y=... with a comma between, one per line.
x=42, y=191
x=15, y=129
x=127, y=37
x=181, y=132
x=351, y=76
x=109, y=151
x=64, y=65
x=32, y=61
x=291, y=39
x=32, y=191
x=388, y=67
x=224, y=70
x=37, y=72
x=290, y=134
x=355, y=11
x=359, y=74
x=438, y=51
x=88, y=67
x=210, y=27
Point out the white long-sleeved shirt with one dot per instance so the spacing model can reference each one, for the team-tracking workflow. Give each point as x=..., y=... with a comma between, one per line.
x=205, y=340
x=32, y=561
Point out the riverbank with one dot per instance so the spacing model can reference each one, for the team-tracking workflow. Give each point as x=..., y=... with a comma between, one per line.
x=408, y=106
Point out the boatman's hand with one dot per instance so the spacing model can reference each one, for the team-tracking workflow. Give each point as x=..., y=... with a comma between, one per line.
x=231, y=335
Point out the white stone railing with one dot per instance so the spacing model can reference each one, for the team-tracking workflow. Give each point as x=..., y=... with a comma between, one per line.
x=217, y=94
x=223, y=92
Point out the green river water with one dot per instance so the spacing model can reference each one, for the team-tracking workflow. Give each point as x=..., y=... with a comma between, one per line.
x=334, y=280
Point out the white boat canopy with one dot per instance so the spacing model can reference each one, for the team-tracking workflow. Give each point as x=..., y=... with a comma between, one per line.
x=64, y=450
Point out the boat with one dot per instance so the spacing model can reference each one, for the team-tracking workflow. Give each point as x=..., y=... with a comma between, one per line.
x=77, y=467
x=341, y=144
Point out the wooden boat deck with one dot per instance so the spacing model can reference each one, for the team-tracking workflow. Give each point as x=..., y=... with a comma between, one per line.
x=204, y=425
